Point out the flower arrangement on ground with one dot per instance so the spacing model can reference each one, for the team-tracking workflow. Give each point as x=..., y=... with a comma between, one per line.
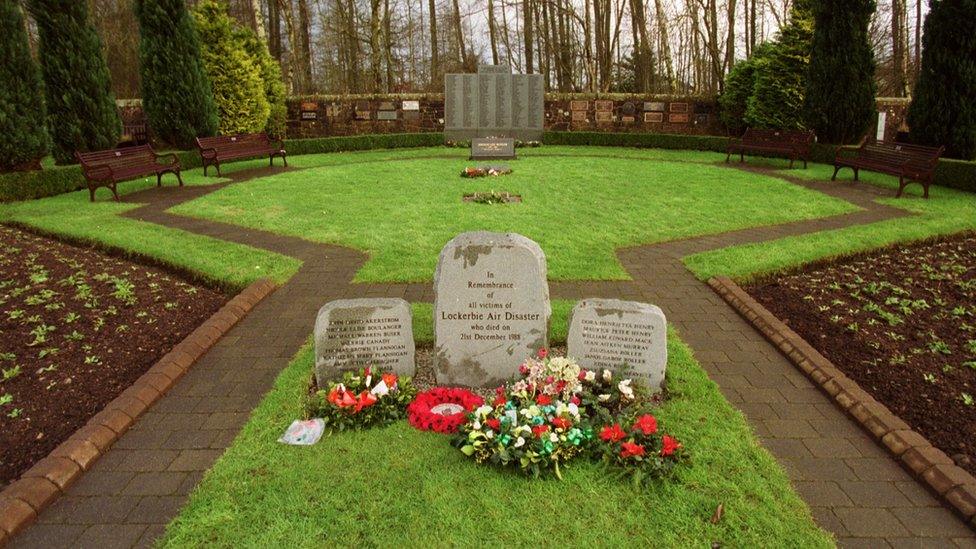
x=442, y=409
x=547, y=418
x=361, y=400
x=639, y=450
x=485, y=171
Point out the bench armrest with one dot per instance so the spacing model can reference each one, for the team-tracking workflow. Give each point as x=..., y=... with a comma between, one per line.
x=98, y=172
x=174, y=160
x=279, y=143
x=842, y=149
x=208, y=152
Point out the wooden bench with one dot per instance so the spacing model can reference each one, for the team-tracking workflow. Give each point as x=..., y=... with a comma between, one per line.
x=108, y=168
x=214, y=150
x=911, y=163
x=794, y=144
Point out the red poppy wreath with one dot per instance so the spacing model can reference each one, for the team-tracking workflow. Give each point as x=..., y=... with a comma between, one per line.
x=442, y=409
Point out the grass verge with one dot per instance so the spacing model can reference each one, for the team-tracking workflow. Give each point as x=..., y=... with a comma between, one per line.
x=397, y=486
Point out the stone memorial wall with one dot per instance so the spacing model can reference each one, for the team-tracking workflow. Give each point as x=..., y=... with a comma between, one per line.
x=494, y=103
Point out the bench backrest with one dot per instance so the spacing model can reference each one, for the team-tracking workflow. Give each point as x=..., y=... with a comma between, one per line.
x=794, y=137
x=240, y=141
x=897, y=154
x=125, y=157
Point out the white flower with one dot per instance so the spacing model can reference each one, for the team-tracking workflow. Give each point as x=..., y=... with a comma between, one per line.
x=490, y=434
x=573, y=409
x=624, y=387
x=476, y=425
x=607, y=375
x=381, y=389
x=603, y=398
x=519, y=442
x=512, y=415
x=554, y=437
x=590, y=375
x=484, y=410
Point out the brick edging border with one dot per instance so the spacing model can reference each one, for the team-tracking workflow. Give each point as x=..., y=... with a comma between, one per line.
x=24, y=499
x=928, y=464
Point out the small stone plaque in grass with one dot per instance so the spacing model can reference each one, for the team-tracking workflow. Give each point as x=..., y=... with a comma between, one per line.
x=489, y=148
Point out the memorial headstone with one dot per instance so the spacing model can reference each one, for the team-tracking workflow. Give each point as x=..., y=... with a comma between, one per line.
x=609, y=333
x=354, y=333
x=492, y=148
x=491, y=307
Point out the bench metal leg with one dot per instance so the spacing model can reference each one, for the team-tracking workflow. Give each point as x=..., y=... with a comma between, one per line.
x=115, y=192
x=728, y=156
x=179, y=177
x=91, y=193
x=836, y=169
x=791, y=162
x=857, y=174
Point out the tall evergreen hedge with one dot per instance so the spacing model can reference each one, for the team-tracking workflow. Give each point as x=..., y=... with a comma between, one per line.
x=274, y=84
x=840, y=95
x=81, y=111
x=943, y=111
x=23, y=140
x=176, y=94
x=781, y=73
x=235, y=77
x=739, y=86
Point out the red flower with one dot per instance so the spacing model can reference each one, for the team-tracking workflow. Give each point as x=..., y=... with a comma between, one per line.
x=669, y=445
x=561, y=423
x=540, y=430
x=390, y=379
x=494, y=423
x=500, y=400
x=560, y=386
x=543, y=400
x=367, y=372
x=612, y=433
x=365, y=400
x=646, y=424
x=420, y=416
x=543, y=353
x=629, y=449
x=582, y=375
x=523, y=369
x=575, y=400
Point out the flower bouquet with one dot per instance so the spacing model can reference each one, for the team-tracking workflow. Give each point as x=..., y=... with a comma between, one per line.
x=485, y=171
x=442, y=409
x=361, y=400
x=641, y=451
x=532, y=437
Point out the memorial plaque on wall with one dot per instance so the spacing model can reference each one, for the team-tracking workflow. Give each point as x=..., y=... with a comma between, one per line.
x=453, y=101
x=411, y=115
x=628, y=109
x=386, y=115
x=679, y=107
x=309, y=110
x=411, y=105
x=472, y=102
x=492, y=148
x=520, y=103
x=493, y=104
x=627, y=119
x=579, y=116
x=603, y=116
x=654, y=117
x=537, y=107
x=362, y=115
x=603, y=106
x=679, y=118
x=503, y=103
x=386, y=106
x=654, y=106
x=579, y=105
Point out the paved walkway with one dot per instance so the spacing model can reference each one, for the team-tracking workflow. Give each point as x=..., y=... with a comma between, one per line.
x=855, y=489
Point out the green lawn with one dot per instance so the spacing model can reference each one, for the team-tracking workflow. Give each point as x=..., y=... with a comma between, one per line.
x=71, y=215
x=580, y=205
x=947, y=211
x=400, y=487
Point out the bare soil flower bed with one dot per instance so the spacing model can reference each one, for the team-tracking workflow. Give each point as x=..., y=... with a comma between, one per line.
x=77, y=327
x=902, y=323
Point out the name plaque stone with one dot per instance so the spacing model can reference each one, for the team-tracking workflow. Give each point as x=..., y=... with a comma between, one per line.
x=627, y=119
x=472, y=102
x=579, y=105
x=492, y=148
x=603, y=116
x=386, y=106
x=354, y=333
x=682, y=118
x=487, y=95
x=603, y=106
x=453, y=96
x=654, y=106
x=679, y=107
x=654, y=117
x=491, y=307
x=309, y=115
x=411, y=105
x=386, y=115
x=609, y=333
x=579, y=116
x=503, y=102
x=411, y=115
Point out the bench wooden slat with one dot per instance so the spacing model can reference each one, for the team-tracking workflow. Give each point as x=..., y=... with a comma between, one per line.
x=795, y=144
x=214, y=150
x=911, y=163
x=109, y=167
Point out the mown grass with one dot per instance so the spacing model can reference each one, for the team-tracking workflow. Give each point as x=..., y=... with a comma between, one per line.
x=579, y=208
x=947, y=211
x=400, y=487
x=227, y=264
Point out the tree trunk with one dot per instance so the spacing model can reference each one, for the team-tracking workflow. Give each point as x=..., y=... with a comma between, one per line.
x=435, y=66
x=492, y=33
x=274, y=29
x=306, y=47
x=462, y=50
x=527, y=24
x=388, y=46
x=665, y=48
x=375, y=45
x=899, y=49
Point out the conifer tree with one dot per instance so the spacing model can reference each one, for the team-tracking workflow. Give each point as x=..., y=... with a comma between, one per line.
x=23, y=140
x=781, y=74
x=943, y=110
x=235, y=77
x=274, y=85
x=840, y=95
x=81, y=111
x=176, y=94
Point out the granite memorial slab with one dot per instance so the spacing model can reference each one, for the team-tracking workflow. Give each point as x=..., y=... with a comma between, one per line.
x=680, y=118
x=610, y=333
x=654, y=106
x=604, y=116
x=654, y=117
x=386, y=106
x=351, y=334
x=679, y=107
x=603, y=106
x=386, y=115
x=411, y=105
x=579, y=116
x=494, y=103
x=491, y=308
x=579, y=105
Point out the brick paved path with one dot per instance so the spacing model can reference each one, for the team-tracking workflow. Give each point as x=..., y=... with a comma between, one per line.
x=855, y=490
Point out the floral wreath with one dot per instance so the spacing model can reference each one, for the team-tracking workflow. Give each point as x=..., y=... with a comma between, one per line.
x=442, y=409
